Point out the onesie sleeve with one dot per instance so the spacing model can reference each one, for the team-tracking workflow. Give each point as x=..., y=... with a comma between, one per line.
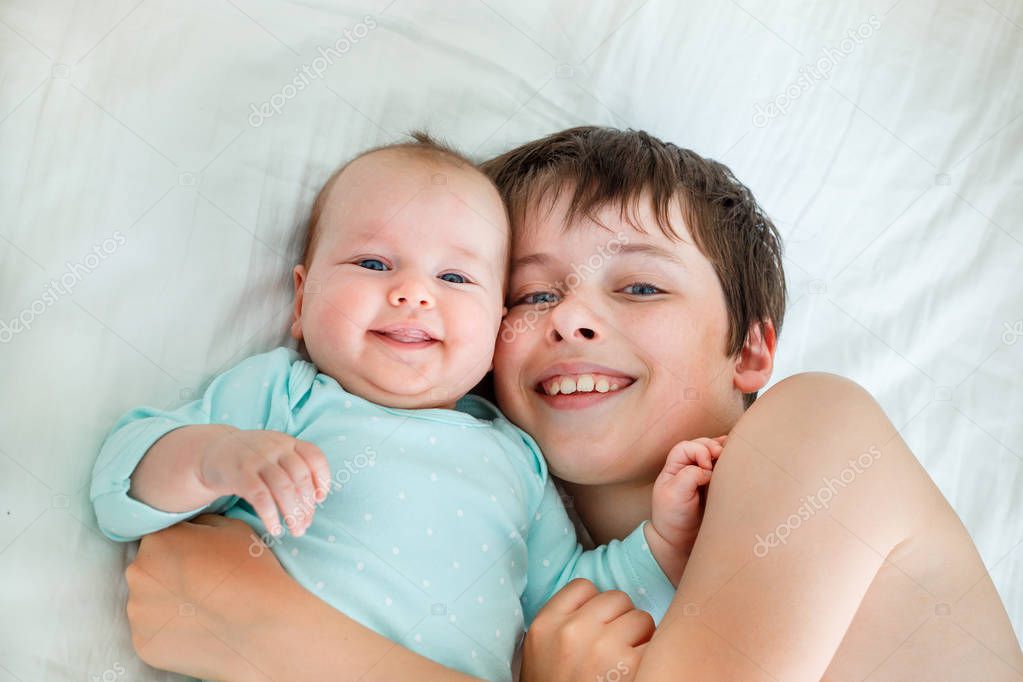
x=555, y=558
x=255, y=394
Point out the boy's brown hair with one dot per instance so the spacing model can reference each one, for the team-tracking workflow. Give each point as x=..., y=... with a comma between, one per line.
x=422, y=145
x=602, y=166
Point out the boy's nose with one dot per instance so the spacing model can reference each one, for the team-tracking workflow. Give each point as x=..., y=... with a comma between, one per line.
x=572, y=321
x=411, y=292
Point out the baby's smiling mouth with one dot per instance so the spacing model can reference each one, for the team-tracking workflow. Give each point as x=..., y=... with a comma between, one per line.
x=407, y=335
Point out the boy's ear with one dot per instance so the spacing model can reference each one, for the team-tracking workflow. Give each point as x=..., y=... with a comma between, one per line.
x=299, y=274
x=755, y=362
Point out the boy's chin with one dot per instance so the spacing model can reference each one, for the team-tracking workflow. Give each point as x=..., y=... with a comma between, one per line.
x=581, y=466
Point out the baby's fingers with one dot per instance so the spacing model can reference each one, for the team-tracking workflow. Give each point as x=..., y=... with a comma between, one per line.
x=302, y=477
x=683, y=488
x=285, y=494
x=317, y=463
x=702, y=452
x=257, y=494
x=683, y=454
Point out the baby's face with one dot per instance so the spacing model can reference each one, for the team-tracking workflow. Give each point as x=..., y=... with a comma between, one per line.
x=403, y=297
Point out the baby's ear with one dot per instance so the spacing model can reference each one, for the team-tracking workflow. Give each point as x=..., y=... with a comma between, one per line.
x=299, y=274
x=755, y=362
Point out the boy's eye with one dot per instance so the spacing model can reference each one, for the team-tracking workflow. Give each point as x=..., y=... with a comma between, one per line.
x=537, y=297
x=371, y=264
x=454, y=278
x=642, y=289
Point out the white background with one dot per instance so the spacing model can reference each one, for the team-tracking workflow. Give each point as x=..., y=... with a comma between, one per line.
x=897, y=182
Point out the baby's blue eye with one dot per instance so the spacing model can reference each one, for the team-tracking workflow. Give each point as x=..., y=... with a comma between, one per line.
x=645, y=289
x=371, y=264
x=455, y=278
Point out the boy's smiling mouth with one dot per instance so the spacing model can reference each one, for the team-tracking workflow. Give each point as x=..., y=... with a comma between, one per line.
x=579, y=384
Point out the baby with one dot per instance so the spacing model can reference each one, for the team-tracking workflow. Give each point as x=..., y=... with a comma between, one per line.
x=436, y=523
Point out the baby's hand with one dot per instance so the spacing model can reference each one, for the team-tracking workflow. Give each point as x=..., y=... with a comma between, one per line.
x=677, y=507
x=272, y=471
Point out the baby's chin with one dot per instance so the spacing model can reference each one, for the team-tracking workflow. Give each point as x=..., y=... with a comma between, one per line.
x=408, y=393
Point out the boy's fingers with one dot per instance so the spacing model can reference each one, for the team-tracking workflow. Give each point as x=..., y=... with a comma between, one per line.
x=635, y=627
x=572, y=596
x=607, y=606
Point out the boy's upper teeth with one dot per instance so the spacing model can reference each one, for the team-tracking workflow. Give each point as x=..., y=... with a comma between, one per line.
x=582, y=383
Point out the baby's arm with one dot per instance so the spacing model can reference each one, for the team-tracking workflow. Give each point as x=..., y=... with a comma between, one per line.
x=677, y=509
x=555, y=557
x=193, y=466
x=149, y=473
x=168, y=475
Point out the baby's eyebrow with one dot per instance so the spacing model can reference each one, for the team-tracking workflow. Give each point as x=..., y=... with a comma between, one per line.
x=467, y=253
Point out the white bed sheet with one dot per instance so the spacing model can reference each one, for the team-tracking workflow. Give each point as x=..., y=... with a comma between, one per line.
x=897, y=181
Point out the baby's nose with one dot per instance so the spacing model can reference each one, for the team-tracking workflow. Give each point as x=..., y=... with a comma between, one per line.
x=411, y=292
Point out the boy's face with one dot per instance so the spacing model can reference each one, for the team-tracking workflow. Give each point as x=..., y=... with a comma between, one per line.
x=402, y=299
x=634, y=310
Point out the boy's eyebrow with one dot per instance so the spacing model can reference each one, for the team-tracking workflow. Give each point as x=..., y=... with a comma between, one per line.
x=652, y=250
x=544, y=259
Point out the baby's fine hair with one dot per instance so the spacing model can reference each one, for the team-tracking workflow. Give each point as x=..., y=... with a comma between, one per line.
x=421, y=145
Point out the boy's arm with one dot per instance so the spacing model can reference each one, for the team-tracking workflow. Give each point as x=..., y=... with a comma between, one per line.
x=247, y=611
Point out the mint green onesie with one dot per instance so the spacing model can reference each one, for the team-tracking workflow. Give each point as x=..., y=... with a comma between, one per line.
x=443, y=530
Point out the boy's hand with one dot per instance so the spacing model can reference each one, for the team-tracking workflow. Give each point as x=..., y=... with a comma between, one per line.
x=677, y=509
x=583, y=634
x=272, y=471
